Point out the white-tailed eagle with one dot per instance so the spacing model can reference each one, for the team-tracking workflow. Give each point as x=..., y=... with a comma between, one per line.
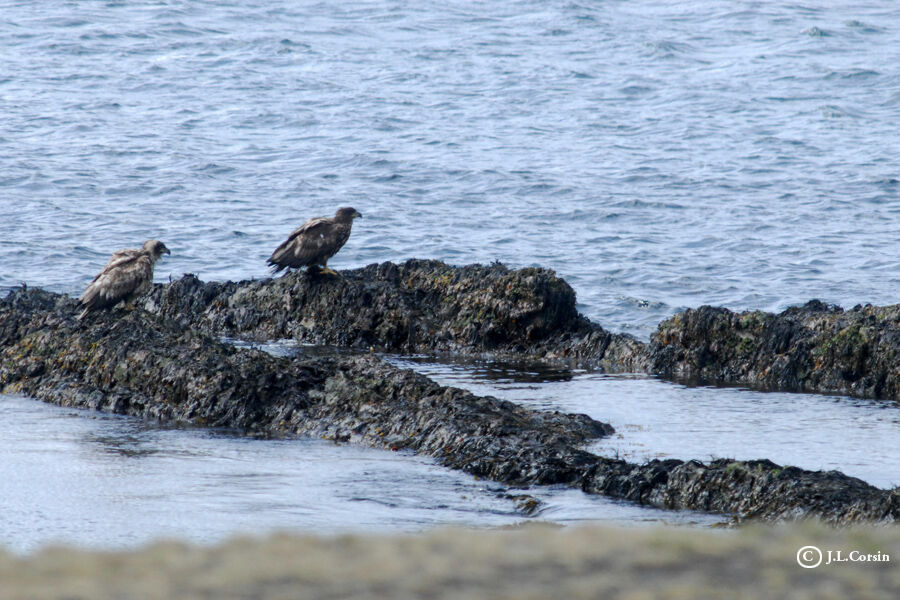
x=314, y=242
x=127, y=275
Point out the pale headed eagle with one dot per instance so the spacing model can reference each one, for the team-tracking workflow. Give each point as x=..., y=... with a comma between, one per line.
x=314, y=242
x=127, y=275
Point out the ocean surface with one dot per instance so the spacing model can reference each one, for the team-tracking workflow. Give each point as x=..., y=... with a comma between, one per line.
x=657, y=155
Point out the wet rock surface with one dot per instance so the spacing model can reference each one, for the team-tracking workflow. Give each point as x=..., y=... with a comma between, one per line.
x=137, y=364
x=143, y=364
x=811, y=348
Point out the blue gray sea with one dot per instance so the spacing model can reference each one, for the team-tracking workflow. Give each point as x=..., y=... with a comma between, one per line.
x=657, y=155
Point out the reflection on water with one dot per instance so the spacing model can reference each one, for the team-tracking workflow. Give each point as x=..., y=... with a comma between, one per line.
x=123, y=445
x=657, y=419
x=505, y=372
x=290, y=347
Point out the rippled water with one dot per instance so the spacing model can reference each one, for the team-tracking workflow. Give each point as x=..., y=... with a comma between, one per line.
x=98, y=480
x=657, y=155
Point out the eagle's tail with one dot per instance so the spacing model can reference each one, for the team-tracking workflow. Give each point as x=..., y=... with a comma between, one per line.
x=274, y=267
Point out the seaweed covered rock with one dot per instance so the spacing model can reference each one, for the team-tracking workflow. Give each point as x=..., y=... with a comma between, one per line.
x=431, y=307
x=416, y=306
x=756, y=489
x=137, y=363
x=369, y=402
x=812, y=348
x=122, y=362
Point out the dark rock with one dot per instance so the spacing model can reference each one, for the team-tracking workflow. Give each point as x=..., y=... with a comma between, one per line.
x=136, y=363
x=812, y=348
x=427, y=306
x=416, y=306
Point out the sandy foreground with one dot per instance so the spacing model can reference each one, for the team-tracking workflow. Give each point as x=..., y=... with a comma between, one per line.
x=536, y=561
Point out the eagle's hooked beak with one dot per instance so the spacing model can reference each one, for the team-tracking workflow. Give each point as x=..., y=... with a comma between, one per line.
x=356, y=215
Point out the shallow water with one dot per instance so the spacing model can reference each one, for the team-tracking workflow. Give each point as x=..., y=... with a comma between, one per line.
x=91, y=479
x=657, y=155
x=658, y=419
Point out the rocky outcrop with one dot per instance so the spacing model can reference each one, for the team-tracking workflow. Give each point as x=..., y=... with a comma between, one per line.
x=757, y=489
x=812, y=348
x=428, y=306
x=133, y=363
x=416, y=306
x=151, y=366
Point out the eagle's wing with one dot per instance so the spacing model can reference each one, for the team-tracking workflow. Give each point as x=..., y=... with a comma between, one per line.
x=118, y=258
x=305, y=244
x=125, y=273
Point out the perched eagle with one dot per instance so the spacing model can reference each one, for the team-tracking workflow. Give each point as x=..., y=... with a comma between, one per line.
x=127, y=275
x=314, y=242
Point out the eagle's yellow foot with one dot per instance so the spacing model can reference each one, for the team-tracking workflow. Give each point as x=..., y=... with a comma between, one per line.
x=329, y=271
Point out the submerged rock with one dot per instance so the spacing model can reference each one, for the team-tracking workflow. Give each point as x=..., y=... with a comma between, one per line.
x=146, y=365
x=812, y=348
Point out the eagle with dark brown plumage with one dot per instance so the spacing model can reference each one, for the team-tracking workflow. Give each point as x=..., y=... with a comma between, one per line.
x=314, y=242
x=127, y=275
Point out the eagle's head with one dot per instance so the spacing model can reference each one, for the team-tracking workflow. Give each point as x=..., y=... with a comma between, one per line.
x=346, y=213
x=155, y=248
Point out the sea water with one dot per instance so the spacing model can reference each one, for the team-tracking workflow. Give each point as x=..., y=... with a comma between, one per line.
x=656, y=155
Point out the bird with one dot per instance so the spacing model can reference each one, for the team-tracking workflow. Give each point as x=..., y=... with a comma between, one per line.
x=314, y=242
x=127, y=275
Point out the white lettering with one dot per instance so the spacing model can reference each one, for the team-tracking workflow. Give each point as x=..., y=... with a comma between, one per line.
x=857, y=556
x=810, y=557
